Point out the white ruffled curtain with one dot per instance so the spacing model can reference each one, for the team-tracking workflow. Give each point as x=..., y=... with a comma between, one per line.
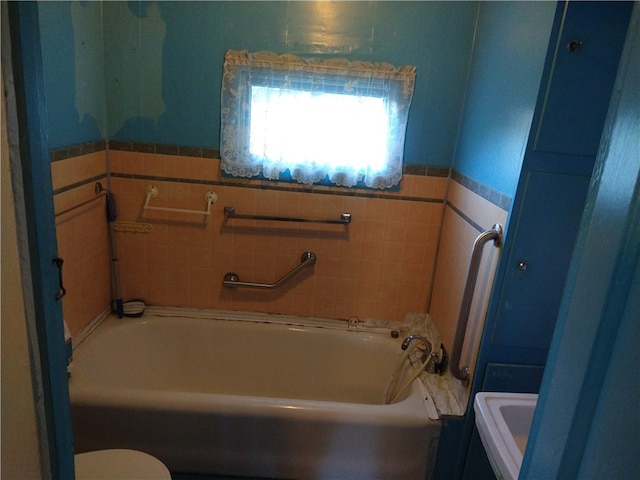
x=282, y=136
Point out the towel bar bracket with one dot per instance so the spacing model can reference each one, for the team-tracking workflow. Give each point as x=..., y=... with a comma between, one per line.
x=152, y=192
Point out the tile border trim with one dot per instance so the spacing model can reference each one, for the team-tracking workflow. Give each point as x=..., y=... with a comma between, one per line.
x=280, y=188
x=81, y=183
x=495, y=197
x=77, y=150
x=164, y=149
x=465, y=217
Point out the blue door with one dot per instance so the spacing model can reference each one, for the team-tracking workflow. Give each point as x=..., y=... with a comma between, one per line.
x=46, y=267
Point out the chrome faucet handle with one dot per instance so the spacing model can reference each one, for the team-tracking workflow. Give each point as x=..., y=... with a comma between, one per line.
x=433, y=364
x=410, y=338
x=438, y=361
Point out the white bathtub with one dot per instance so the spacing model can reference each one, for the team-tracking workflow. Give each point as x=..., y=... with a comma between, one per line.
x=289, y=398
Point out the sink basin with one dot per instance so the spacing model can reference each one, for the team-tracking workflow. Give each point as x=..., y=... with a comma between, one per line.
x=504, y=421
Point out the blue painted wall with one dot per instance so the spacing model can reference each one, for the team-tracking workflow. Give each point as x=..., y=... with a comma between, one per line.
x=68, y=120
x=508, y=59
x=436, y=37
x=156, y=68
x=162, y=69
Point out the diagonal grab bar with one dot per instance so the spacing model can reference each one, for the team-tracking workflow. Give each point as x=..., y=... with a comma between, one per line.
x=232, y=280
x=495, y=234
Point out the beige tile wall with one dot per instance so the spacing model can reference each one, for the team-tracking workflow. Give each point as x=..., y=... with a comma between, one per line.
x=82, y=237
x=457, y=240
x=379, y=266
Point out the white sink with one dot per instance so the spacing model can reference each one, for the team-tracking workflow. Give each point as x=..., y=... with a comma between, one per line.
x=504, y=421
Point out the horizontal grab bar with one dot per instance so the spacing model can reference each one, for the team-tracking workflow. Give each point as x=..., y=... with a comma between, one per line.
x=495, y=234
x=152, y=192
x=230, y=212
x=232, y=280
x=99, y=191
x=71, y=209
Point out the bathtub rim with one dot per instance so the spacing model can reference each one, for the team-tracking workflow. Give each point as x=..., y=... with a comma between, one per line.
x=353, y=324
x=399, y=413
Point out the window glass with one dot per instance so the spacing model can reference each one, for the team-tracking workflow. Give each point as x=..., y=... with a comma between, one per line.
x=315, y=121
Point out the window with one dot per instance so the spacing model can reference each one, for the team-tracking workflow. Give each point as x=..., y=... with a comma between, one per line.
x=314, y=120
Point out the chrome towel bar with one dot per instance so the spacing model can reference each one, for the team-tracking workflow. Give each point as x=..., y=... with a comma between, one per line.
x=81, y=204
x=232, y=280
x=230, y=212
x=152, y=192
x=495, y=234
x=99, y=191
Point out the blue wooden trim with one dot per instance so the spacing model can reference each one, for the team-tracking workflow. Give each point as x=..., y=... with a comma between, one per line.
x=34, y=153
x=572, y=163
x=599, y=303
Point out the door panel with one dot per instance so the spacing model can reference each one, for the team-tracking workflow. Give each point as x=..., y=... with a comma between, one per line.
x=543, y=242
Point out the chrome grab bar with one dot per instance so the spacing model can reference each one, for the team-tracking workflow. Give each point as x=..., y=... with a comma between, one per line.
x=232, y=280
x=495, y=234
x=81, y=204
x=99, y=191
x=230, y=212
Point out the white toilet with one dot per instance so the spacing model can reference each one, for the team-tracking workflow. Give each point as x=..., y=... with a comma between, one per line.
x=119, y=464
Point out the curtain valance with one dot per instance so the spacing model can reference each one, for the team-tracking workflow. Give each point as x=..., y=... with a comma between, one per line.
x=316, y=119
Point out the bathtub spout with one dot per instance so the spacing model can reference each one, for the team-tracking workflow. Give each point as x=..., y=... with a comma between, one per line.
x=395, y=389
x=428, y=346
